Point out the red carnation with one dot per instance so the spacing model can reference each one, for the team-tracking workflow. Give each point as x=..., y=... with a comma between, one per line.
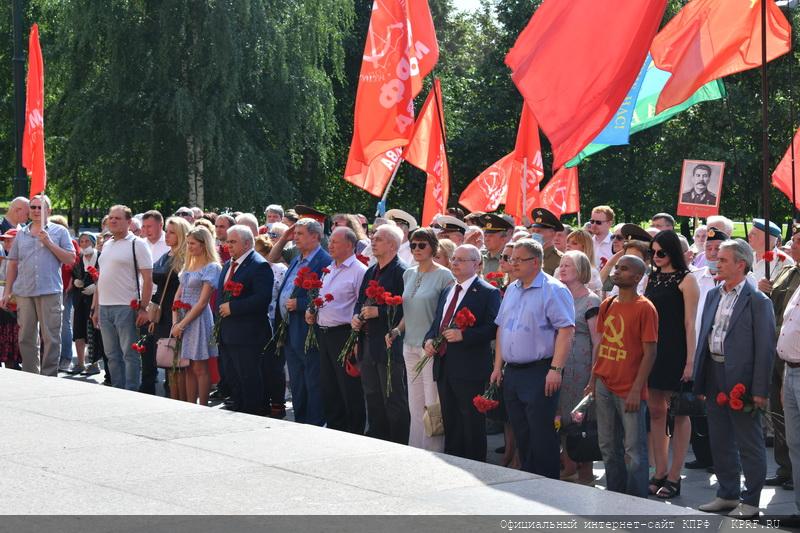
x=722, y=399
x=740, y=388
x=493, y=283
x=306, y=284
x=326, y=270
x=380, y=299
x=769, y=256
x=464, y=319
x=736, y=404
x=134, y=304
x=303, y=271
x=228, y=287
x=318, y=302
x=135, y=347
x=364, y=259
x=351, y=369
x=329, y=297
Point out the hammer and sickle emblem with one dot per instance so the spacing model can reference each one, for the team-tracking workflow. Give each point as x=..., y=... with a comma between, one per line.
x=615, y=336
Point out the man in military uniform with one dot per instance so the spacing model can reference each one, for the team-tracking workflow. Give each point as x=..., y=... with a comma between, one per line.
x=699, y=194
x=546, y=224
x=496, y=233
x=451, y=228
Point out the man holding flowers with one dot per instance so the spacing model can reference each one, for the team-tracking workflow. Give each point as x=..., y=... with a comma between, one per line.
x=735, y=354
x=465, y=318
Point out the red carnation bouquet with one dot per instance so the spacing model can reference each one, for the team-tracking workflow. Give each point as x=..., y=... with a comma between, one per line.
x=486, y=401
x=93, y=273
x=462, y=320
x=315, y=303
x=497, y=279
x=770, y=255
x=231, y=289
x=375, y=296
x=306, y=280
x=139, y=346
x=392, y=303
x=738, y=400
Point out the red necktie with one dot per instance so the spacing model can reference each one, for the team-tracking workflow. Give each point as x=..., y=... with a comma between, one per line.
x=234, y=264
x=451, y=309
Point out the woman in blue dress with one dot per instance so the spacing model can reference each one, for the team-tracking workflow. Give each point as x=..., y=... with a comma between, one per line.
x=198, y=279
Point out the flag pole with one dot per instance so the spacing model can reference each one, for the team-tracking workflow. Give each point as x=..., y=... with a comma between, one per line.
x=765, y=181
x=791, y=136
x=388, y=186
x=20, y=187
x=524, y=186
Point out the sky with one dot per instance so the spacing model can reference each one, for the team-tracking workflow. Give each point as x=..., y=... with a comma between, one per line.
x=466, y=5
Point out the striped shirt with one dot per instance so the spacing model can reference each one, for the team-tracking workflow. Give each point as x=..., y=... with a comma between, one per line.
x=722, y=320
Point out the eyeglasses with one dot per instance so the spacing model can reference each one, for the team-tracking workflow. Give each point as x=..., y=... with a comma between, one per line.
x=660, y=253
x=506, y=258
x=618, y=237
x=459, y=260
x=420, y=245
x=273, y=235
x=36, y=207
x=515, y=260
x=597, y=222
x=183, y=214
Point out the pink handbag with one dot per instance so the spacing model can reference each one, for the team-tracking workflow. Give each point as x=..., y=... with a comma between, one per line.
x=167, y=355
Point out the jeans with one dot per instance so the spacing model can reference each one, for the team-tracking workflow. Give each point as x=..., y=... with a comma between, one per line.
x=118, y=326
x=66, y=330
x=791, y=413
x=623, y=442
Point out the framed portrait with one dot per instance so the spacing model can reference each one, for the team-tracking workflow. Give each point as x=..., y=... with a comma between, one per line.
x=701, y=188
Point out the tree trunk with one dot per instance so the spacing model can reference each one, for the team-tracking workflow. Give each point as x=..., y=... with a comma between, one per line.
x=194, y=161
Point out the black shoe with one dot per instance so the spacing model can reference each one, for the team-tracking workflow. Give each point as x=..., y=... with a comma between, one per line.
x=229, y=407
x=218, y=394
x=710, y=469
x=228, y=401
x=501, y=449
x=776, y=481
x=788, y=484
x=769, y=442
x=696, y=465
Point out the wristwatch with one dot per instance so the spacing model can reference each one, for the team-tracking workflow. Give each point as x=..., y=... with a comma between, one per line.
x=559, y=369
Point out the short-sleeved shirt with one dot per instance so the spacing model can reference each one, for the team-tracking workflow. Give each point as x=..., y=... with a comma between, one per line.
x=117, y=282
x=38, y=269
x=529, y=318
x=625, y=327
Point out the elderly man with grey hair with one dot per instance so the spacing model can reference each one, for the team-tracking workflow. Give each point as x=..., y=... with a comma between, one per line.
x=304, y=366
x=382, y=374
x=735, y=354
x=17, y=214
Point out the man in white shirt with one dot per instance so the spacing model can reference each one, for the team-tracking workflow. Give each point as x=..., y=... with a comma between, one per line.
x=123, y=289
x=789, y=352
x=755, y=237
x=408, y=224
x=153, y=230
x=600, y=228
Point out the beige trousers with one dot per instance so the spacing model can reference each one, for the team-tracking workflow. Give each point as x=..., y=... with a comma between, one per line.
x=40, y=315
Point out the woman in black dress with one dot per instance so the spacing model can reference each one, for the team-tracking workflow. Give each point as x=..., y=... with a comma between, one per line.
x=674, y=294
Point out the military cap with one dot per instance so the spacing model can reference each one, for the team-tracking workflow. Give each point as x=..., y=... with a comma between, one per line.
x=401, y=217
x=634, y=232
x=774, y=229
x=303, y=211
x=715, y=234
x=542, y=218
x=449, y=223
x=491, y=223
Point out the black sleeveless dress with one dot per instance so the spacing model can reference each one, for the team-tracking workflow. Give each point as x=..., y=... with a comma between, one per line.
x=663, y=291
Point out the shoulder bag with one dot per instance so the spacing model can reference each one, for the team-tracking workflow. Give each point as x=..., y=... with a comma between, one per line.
x=167, y=355
x=154, y=309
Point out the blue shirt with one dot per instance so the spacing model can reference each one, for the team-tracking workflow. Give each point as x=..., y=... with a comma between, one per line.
x=38, y=269
x=288, y=286
x=529, y=319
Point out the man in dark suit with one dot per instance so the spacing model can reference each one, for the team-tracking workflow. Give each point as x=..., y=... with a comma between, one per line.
x=292, y=303
x=244, y=324
x=462, y=372
x=699, y=193
x=736, y=345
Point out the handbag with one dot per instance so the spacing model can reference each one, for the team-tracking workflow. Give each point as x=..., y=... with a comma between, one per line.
x=581, y=442
x=686, y=403
x=154, y=309
x=167, y=355
x=432, y=420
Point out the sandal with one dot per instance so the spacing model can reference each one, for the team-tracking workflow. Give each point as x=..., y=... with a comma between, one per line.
x=669, y=489
x=657, y=483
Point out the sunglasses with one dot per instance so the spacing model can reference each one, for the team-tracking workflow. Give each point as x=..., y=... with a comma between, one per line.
x=420, y=245
x=36, y=207
x=597, y=222
x=660, y=254
x=506, y=258
x=184, y=214
x=617, y=237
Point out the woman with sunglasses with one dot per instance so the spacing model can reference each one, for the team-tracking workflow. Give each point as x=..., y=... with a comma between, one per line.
x=674, y=294
x=422, y=285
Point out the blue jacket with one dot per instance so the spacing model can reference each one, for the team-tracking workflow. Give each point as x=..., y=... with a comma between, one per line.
x=297, y=318
x=248, y=322
x=470, y=359
x=749, y=343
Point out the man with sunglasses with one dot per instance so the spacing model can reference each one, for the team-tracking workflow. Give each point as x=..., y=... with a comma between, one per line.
x=535, y=327
x=496, y=233
x=600, y=228
x=34, y=280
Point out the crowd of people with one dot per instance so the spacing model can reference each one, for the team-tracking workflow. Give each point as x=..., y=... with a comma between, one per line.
x=397, y=331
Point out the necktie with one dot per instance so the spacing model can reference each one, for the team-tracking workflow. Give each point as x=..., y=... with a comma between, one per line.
x=234, y=264
x=451, y=309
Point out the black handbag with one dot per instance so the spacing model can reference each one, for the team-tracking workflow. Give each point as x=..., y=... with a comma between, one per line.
x=686, y=403
x=581, y=441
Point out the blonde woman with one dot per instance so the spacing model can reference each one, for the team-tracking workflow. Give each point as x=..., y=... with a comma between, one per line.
x=445, y=253
x=165, y=278
x=582, y=241
x=198, y=280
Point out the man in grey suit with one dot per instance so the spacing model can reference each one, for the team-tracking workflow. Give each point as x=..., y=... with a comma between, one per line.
x=736, y=345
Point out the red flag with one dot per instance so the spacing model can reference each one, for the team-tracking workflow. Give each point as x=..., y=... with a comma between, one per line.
x=487, y=191
x=575, y=62
x=710, y=39
x=33, y=138
x=527, y=156
x=401, y=49
x=782, y=177
x=426, y=152
x=561, y=195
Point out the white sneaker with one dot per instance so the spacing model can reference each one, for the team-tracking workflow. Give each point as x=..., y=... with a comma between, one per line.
x=719, y=504
x=744, y=511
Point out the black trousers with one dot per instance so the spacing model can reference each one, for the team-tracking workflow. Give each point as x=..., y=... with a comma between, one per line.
x=701, y=444
x=243, y=362
x=274, y=379
x=780, y=448
x=464, y=426
x=149, y=369
x=342, y=397
x=387, y=417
